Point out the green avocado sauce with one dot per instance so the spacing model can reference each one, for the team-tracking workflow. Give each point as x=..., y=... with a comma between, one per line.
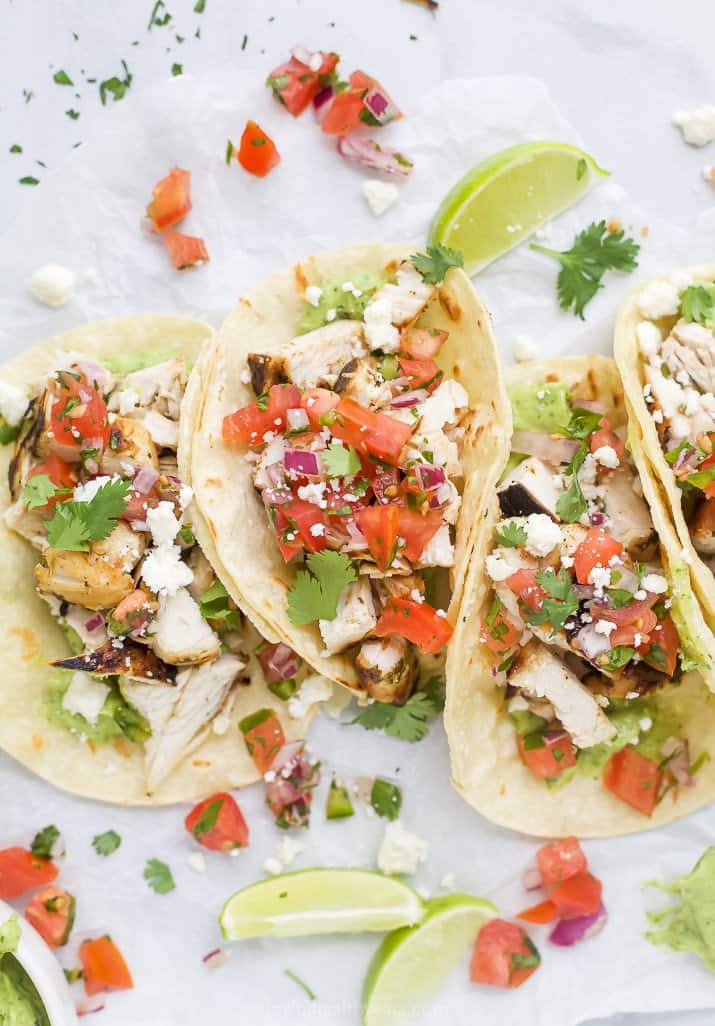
x=346, y=305
x=116, y=719
x=540, y=406
x=126, y=363
x=20, y=1004
x=689, y=925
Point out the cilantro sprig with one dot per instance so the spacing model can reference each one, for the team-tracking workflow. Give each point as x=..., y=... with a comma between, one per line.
x=511, y=536
x=315, y=593
x=408, y=722
x=76, y=524
x=340, y=460
x=572, y=504
x=561, y=601
x=435, y=262
x=44, y=841
x=698, y=304
x=40, y=489
x=595, y=251
x=207, y=819
x=158, y=875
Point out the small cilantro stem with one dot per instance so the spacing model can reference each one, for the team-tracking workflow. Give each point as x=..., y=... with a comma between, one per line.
x=301, y=983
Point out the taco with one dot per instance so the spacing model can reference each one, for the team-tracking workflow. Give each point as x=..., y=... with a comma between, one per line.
x=127, y=664
x=665, y=349
x=347, y=406
x=571, y=707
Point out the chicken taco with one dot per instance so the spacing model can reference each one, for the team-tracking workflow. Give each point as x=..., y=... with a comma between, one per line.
x=127, y=664
x=665, y=349
x=575, y=694
x=347, y=406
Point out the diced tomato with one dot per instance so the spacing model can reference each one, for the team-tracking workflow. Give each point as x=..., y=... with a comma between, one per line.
x=296, y=518
x=344, y=113
x=550, y=758
x=578, y=895
x=371, y=433
x=504, y=955
x=138, y=504
x=558, y=860
x=264, y=737
x=664, y=647
x=501, y=637
x=416, y=621
x=20, y=871
x=60, y=474
x=379, y=525
x=103, y=966
x=295, y=84
x=352, y=107
x=51, y=912
x=257, y=152
x=317, y=403
x=524, y=585
x=603, y=435
x=185, y=250
x=171, y=199
x=218, y=824
x=634, y=779
x=422, y=343
x=422, y=373
x=597, y=549
x=417, y=529
x=703, y=513
x=250, y=423
x=544, y=912
x=78, y=417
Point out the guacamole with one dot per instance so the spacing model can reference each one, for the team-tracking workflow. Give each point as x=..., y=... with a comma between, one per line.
x=689, y=925
x=344, y=302
x=540, y=407
x=126, y=363
x=20, y=1004
x=117, y=719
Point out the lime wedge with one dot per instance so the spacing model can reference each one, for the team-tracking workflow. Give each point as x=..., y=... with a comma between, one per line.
x=320, y=901
x=411, y=964
x=508, y=196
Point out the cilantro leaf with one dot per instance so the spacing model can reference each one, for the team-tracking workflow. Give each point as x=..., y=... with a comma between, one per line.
x=158, y=875
x=216, y=604
x=698, y=304
x=115, y=86
x=314, y=595
x=619, y=656
x=39, y=490
x=618, y=598
x=74, y=114
x=62, y=78
x=583, y=423
x=29, y=180
x=76, y=524
x=572, y=504
x=561, y=602
x=595, y=251
x=434, y=264
x=207, y=819
x=177, y=69
x=407, y=722
x=511, y=536
x=229, y=152
x=157, y=18
x=44, y=841
x=106, y=843
x=340, y=461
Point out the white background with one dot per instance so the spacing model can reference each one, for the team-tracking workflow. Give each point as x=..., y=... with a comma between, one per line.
x=617, y=71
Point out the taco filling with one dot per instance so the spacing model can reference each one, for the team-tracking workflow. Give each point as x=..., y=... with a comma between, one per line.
x=355, y=446
x=676, y=340
x=579, y=624
x=158, y=647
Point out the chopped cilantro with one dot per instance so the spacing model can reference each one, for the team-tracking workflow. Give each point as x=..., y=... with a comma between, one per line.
x=28, y=95
x=76, y=524
x=44, y=841
x=29, y=180
x=62, y=78
x=74, y=114
x=434, y=264
x=229, y=152
x=511, y=537
x=159, y=17
x=618, y=598
x=560, y=603
x=408, y=722
x=39, y=490
x=698, y=304
x=244, y=41
x=291, y=975
x=115, y=86
x=315, y=593
x=158, y=875
x=16, y=148
x=595, y=251
x=340, y=461
x=177, y=69
x=107, y=843
x=207, y=819
x=200, y=6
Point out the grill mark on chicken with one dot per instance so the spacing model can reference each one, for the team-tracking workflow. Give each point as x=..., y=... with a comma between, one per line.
x=130, y=660
x=26, y=443
x=266, y=371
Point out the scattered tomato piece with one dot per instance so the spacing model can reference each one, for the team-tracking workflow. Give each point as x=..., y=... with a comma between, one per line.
x=295, y=84
x=103, y=966
x=248, y=424
x=379, y=525
x=604, y=435
x=545, y=912
x=504, y=955
x=172, y=200
x=257, y=152
x=20, y=871
x=558, y=860
x=634, y=779
x=185, y=250
x=264, y=737
x=51, y=912
x=547, y=755
x=218, y=823
x=579, y=895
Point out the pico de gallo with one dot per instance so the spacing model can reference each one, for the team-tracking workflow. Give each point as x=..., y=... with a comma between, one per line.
x=580, y=626
x=354, y=445
x=158, y=647
x=676, y=341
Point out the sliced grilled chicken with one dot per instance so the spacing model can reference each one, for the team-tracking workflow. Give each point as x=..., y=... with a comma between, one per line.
x=180, y=634
x=125, y=657
x=386, y=668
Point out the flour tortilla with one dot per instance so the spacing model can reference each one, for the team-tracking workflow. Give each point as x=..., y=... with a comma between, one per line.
x=113, y=772
x=486, y=767
x=642, y=426
x=242, y=541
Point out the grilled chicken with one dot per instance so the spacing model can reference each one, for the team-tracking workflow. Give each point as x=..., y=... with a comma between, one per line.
x=96, y=579
x=130, y=447
x=439, y=550
x=266, y=371
x=540, y=673
x=27, y=446
x=204, y=576
x=386, y=668
x=77, y=618
x=702, y=528
x=30, y=523
x=691, y=348
x=202, y=692
x=407, y=296
x=360, y=380
x=316, y=358
x=124, y=657
x=628, y=515
x=153, y=396
x=180, y=634
x=529, y=488
x=354, y=620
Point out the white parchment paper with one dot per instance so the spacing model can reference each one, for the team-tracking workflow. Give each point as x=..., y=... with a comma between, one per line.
x=86, y=215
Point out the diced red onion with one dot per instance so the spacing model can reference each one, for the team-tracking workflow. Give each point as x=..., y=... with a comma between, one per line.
x=381, y=106
x=596, y=519
x=288, y=752
x=677, y=753
x=94, y=373
x=278, y=662
x=591, y=643
x=321, y=102
x=568, y=932
x=89, y=1005
x=430, y=477
x=215, y=958
x=372, y=154
x=145, y=479
x=531, y=878
x=583, y=591
x=96, y=442
x=276, y=496
x=384, y=479
x=297, y=419
x=686, y=457
x=592, y=405
x=94, y=622
x=301, y=461
x=418, y=395
x=275, y=474
x=554, y=736
x=544, y=446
